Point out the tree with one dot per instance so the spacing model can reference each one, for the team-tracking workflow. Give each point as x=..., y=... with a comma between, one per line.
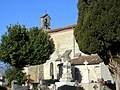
x=98, y=28
x=20, y=46
x=13, y=73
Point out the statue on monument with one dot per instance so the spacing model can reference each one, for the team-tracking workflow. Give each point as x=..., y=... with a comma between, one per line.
x=66, y=78
x=67, y=75
x=66, y=56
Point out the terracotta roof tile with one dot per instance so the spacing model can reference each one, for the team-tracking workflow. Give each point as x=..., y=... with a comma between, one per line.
x=91, y=59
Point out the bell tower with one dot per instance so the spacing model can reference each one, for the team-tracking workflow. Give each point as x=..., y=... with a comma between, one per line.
x=45, y=21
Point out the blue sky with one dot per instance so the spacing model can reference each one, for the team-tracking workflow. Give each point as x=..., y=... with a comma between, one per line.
x=28, y=12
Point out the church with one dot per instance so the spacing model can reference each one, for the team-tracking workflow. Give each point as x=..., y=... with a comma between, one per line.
x=86, y=70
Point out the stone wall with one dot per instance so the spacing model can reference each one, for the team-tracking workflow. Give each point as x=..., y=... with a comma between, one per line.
x=64, y=40
x=35, y=72
x=94, y=73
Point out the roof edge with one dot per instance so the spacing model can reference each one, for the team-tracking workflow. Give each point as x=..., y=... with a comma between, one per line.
x=61, y=28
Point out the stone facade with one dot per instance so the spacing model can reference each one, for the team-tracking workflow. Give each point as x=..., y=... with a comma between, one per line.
x=64, y=40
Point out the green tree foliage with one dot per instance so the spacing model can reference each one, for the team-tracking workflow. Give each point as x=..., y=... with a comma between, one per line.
x=13, y=73
x=98, y=27
x=20, y=46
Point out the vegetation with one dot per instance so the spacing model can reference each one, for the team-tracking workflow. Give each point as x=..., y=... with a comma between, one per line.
x=98, y=28
x=13, y=73
x=20, y=46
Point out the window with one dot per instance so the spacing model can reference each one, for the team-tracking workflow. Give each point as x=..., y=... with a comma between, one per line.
x=51, y=69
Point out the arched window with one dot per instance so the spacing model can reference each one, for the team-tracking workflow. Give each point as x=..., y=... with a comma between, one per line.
x=51, y=70
x=77, y=74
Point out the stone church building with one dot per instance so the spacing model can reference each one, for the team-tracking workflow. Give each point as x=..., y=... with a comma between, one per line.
x=85, y=68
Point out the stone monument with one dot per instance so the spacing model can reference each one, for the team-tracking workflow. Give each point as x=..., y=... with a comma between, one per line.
x=85, y=79
x=67, y=74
